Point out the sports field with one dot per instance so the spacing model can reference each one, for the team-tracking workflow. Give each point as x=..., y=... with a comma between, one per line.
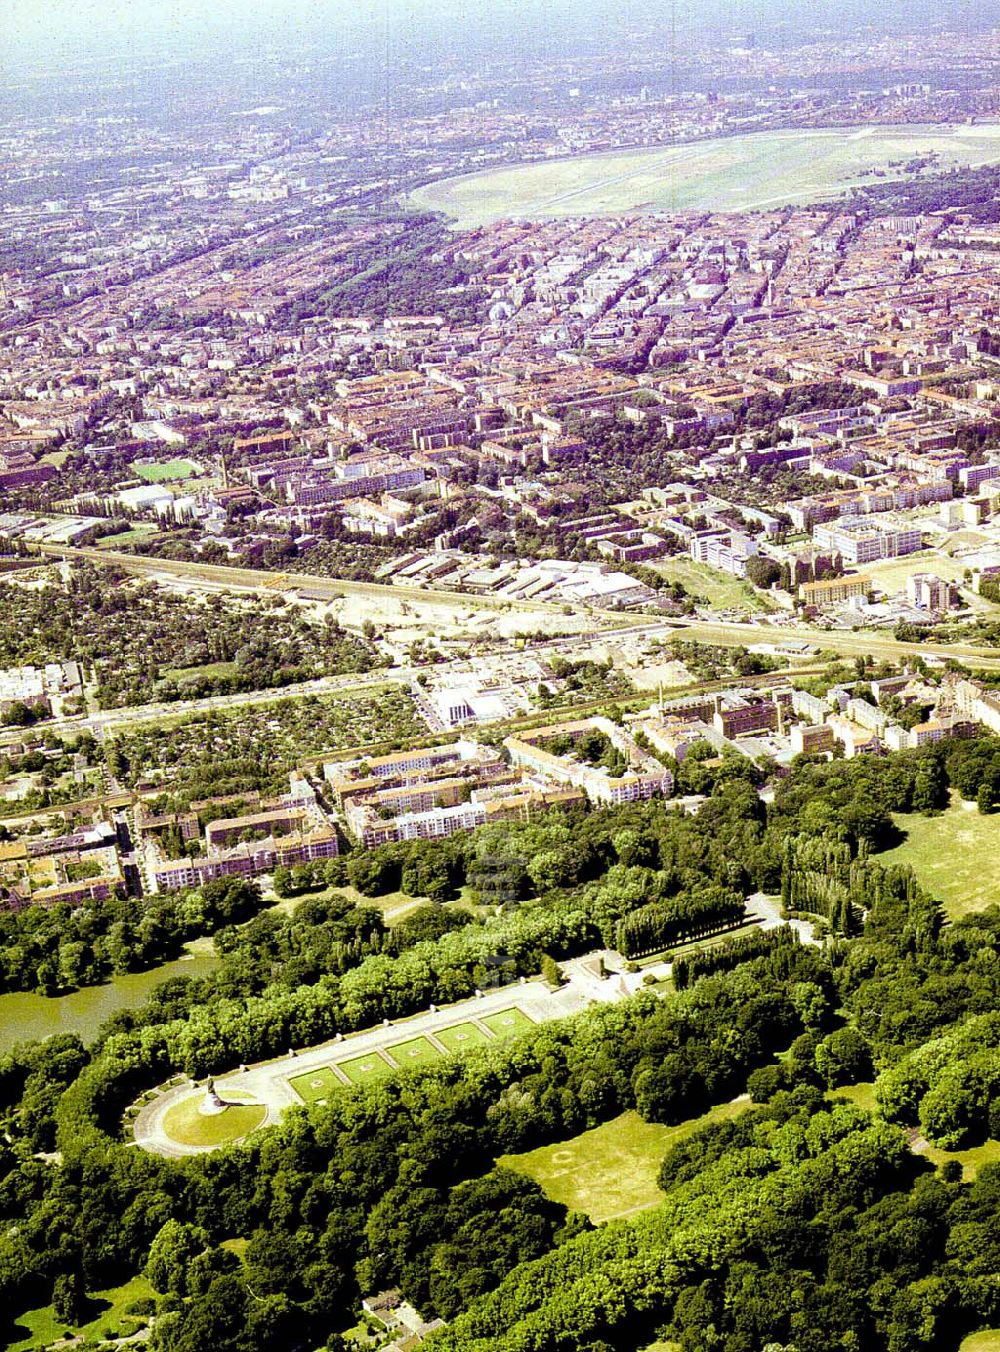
x=956, y=856
x=611, y=1170
x=737, y=173
x=164, y=471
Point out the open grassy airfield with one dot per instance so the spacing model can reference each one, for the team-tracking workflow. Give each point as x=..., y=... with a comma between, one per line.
x=738, y=173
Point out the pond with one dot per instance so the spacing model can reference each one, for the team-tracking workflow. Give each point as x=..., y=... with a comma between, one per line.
x=25, y=1016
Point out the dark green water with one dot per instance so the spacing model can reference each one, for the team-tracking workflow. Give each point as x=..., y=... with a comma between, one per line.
x=24, y=1017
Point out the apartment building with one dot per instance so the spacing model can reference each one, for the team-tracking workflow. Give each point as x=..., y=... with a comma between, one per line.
x=832, y=590
x=644, y=778
x=859, y=542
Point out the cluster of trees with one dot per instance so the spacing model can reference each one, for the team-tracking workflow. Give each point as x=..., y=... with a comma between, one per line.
x=407, y=276
x=796, y=1222
x=973, y=192
x=950, y=1085
x=134, y=633
x=58, y=948
x=655, y=926
x=687, y=968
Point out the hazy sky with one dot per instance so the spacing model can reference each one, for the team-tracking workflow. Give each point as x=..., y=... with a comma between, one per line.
x=63, y=29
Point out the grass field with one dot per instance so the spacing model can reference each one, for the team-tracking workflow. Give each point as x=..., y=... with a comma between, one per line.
x=611, y=1171
x=208, y=671
x=986, y=1340
x=508, y=1022
x=127, y=537
x=417, y=1052
x=971, y=1160
x=365, y=1069
x=956, y=856
x=861, y=1095
x=166, y=471
x=738, y=173
x=721, y=590
x=461, y=1036
x=315, y=1085
x=186, y=1125
x=38, y=1328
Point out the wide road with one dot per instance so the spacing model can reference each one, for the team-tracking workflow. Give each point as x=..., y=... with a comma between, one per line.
x=847, y=643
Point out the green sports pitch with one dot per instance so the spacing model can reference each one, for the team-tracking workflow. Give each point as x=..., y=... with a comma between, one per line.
x=732, y=173
x=165, y=470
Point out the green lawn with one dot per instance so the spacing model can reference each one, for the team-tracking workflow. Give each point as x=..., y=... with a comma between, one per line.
x=417, y=1052
x=461, y=1036
x=365, y=1069
x=40, y=1327
x=611, y=1170
x=186, y=1125
x=971, y=1160
x=508, y=1022
x=209, y=669
x=861, y=1095
x=986, y=1340
x=956, y=856
x=721, y=590
x=127, y=537
x=315, y=1085
x=167, y=470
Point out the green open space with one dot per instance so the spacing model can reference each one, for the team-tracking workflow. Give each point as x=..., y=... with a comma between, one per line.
x=127, y=537
x=611, y=1170
x=986, y=1340
x=508, y=1022
x=735, y=173
x=315, y=1085
x=862, y=1095
x=167, y=470
x=185, y=1124
x=721, y=590
x=416, y=1052
x=365, y=1069
x=461, y=1036
x=38, y=1328
x=956, y=856
x=971, y=1160
x=208, y=670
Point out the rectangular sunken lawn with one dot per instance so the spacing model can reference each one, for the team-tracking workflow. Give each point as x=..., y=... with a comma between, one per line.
x=508, y=1022
x=315, y=1084
x=460, y=1037
x=365, y=1069
x=416, y=1052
